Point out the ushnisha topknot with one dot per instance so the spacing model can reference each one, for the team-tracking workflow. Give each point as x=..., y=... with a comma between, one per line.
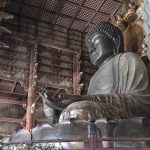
x=110, y=31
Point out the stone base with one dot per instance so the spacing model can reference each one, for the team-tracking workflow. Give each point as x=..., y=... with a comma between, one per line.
x=78, y=130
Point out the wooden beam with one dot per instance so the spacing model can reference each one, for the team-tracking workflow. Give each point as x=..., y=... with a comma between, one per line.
x=14, y=120
x=8, y=92
x=53, y=86
x=13, y=88
x=12, y=102
x=5, y=133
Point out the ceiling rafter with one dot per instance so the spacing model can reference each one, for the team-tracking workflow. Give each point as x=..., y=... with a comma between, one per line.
x=42, y=9
x=77, y=12
x=84, y=7
x=61, y=15
x=19, y=16
x=39, y=14
x=35, y=19
x=100, y=5
x=60, y=7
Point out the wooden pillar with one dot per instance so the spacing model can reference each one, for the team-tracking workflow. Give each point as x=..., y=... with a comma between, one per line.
x=31, y=87
x=75, y=74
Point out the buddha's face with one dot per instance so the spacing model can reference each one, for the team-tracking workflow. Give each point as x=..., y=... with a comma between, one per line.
x=101, y=48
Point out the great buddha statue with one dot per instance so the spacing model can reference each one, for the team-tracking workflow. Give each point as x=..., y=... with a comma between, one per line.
x=120, y=87
x=118, y=97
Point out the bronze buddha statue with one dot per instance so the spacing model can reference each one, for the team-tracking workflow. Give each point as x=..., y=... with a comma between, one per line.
x=118, y=97
x=120, y=86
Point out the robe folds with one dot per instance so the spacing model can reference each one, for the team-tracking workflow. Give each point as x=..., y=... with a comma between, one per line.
x=121, y=87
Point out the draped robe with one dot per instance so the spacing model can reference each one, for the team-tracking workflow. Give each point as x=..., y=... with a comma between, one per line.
x=121, y=87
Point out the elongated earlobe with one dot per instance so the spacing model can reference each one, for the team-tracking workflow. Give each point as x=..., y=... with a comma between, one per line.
x=115, y=51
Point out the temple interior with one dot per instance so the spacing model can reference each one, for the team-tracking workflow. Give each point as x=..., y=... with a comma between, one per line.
x=42, y=47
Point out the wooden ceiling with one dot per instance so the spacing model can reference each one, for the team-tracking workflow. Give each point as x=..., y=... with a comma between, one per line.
x=74, y=14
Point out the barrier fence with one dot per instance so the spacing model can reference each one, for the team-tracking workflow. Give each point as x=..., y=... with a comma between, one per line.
x=91, y=143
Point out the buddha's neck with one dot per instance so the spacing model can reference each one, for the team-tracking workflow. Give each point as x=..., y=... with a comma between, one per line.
x=105, y=61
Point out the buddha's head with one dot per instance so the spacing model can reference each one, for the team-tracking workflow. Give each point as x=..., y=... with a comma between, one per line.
x=104, y=40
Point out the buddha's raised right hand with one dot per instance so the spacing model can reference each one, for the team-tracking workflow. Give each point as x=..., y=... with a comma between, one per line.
x=62, y=100
x=47, y=100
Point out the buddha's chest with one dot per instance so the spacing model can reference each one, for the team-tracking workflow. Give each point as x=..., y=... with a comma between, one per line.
x=103, y=81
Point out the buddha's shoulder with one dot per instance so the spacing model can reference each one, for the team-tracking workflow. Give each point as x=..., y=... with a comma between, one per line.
x=130, y=56
x=131, y=59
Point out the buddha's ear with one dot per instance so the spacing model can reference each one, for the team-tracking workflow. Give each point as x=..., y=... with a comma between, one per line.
x=115, y=50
